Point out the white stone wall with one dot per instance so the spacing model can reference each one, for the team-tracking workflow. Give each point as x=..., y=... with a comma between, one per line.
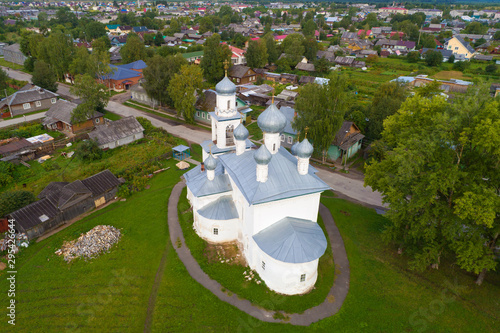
x=227, y=229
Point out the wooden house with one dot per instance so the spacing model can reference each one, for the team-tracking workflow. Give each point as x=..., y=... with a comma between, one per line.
x=58, y=118
x=117, y=133
x=28, y=99
x=241, y=74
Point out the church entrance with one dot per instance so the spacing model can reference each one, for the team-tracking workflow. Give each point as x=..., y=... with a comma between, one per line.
x=229, y=135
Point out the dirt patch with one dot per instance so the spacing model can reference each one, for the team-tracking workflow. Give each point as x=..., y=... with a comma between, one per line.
x=228, y=253
x=446, y=75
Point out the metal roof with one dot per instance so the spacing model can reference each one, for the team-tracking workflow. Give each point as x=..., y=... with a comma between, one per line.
x=116, y=130
x=139, y=64
x=284, y=180
x=200, y=186
x=180, y=148
x=101, y=182
x=292, y=240
x=30, y=215
x=221, y=209
x=216, y=150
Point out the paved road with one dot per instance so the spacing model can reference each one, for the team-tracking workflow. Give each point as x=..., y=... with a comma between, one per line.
x=352, y=188
x=9, y=122
x=330, y=306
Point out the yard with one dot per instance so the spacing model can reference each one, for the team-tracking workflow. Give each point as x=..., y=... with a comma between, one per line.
x=121, y=291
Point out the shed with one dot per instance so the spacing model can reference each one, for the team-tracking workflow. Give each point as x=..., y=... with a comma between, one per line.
x=181, y=152
x=118, y=133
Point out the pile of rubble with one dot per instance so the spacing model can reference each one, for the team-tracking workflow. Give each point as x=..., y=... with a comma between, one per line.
x=21, y=240
x=91, y=244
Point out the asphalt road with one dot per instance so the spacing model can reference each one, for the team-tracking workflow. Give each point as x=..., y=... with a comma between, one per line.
x=349, y=187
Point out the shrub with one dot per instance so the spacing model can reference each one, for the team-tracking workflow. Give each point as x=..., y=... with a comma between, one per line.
x=146, y=124
x=491, y=69
x=88, y=150
x=11, y=201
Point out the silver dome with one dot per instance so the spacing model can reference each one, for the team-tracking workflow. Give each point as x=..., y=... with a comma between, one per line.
x=294, y=148
x=210, y=162
x=241, y=132
x=272, y=120
x=225, y=87
x=304, y=149
x=262, y=156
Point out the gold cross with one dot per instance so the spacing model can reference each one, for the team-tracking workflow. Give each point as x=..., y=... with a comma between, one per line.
x=274, y=88
x=226, y=66
x=306, y=129
x=210, y=147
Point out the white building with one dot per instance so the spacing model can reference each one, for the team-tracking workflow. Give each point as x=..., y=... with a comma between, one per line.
x=266, y=199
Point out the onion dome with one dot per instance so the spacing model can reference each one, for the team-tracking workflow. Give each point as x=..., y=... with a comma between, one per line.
x=272, y=120
x=210, y=162
x=225, y=87
x=241, y=132
x=294, y=148
x=262, y=156
x=304, y=149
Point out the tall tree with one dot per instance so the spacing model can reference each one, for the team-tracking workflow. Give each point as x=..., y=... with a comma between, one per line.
x=4, y=79
x=44, y=77
x=205, y=24
x=272, y=51
x=133, y=49
x=386, y=102
x=310, y=48
x=440, y=178
x=215, y=55
x=93, y=95
x=309, y=28
x=158, y=75
x=256, y=54
x=183, y=89
x=293, y=47
x=321, y=108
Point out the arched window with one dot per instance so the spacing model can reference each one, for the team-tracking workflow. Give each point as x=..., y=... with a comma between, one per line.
x=228, y=104
x=274, y=147
x=229, y=135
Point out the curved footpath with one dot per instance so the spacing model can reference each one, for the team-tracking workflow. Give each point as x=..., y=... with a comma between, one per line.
x=329, y=307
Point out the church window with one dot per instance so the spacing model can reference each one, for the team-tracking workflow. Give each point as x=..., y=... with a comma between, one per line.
x=274, y=147
x=228, y=105
x=303, y=278
x=216, y=231
x=263, y=265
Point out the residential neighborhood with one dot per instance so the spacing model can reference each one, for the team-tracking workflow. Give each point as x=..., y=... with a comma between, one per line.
x=250, y=166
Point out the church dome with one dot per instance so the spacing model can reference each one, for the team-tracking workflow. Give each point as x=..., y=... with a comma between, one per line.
x=262, y=156
x=294, y=148
x=272, y=120
x=241, y=132
x=210, y=162
x=304, y=149
x=225, y=87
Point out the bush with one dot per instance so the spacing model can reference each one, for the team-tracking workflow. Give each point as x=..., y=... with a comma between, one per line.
x=146, y=124
x=433, y=58
x=491, y=69
x=88, y=150
x=11, y=201
x=413, y=57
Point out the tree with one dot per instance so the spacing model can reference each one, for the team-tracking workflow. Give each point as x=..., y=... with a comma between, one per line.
x=214, y=56
x=413, y=56
x=476, y=28
x=256, y=54
x=433, y=58
x=386, y=102
x=480, y=42
x=490, y=69
x=309, y=28
x=158, y=75
x=429, y=90
x=94, y=30
x=440, y=178
x=310, y=48
x=94, y=97
x=293, y=47
x=496, y=36
x=205, y=24
x=321, y=108
x=272, y=52
x=451, y=59
x=183, y=89
x=322, y=65
x=4, y=80
x=44, y=77
x=101, y=44
x=133, y=49
x=88, y=150
x=159, y=38
x=10, y=201
x=81, y=63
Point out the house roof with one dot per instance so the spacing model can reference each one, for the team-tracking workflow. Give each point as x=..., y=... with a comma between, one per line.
x=34, y=214
x=206, y=101
x=101, y=182
x=221, y=209
x=14, y=146
x=139, y=64
x=283, y=181
x=140, y=29
x=28, y=94
x=120, y=73
x=13, y=48
x=116, y=130
x=62, y=111
x=465, y=44
x=305, y=67
x=239, y=71
x=344, y=139
x=292, y=240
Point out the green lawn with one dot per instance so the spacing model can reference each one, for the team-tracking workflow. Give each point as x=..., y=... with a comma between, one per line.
x=112, y=116
x=28, y=114
x=231, y=276
x=111, y=293
x=255, y=131
x=12, y=65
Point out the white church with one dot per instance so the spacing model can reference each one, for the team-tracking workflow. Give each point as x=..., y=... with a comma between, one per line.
x=266, y=199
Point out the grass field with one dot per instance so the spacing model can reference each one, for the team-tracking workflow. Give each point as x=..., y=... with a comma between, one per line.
x=12, y=65
x=255, y=131
x=111, y=293
x=446, y=75
x=112, y=116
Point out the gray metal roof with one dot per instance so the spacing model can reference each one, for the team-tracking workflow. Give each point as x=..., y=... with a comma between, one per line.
x=28, y=94
x=216, y=150
x=101, y=182
x=62, y=111
x=292, y=240
x=116, y=130
x=200, y=186
x=272, y=120
x=283, y=181
x=29, y=216
x=221, y=209
x=225, y=87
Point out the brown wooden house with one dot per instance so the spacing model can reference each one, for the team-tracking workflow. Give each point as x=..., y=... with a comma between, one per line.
x=241, y=74
x=58, y=117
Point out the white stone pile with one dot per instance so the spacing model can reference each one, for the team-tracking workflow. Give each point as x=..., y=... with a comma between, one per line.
x=91, y=244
